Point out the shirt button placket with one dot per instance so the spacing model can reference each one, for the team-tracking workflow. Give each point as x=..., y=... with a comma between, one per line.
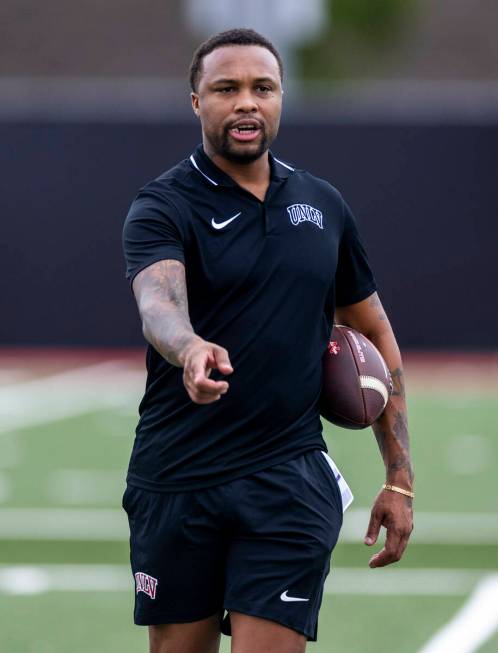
x=265, y=218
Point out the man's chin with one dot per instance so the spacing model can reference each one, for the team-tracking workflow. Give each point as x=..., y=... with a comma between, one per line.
x=244, y=152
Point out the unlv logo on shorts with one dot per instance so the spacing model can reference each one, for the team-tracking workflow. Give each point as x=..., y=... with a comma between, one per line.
x=146, y=584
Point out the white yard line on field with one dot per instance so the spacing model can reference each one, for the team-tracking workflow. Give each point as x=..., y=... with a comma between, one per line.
x=86, y=487
x=402, y=582
x=63, y=524
x=473, y=625
x=77, y=391
x=24, y=579
x=432, y=527
x=110, y=524
x=37, y=579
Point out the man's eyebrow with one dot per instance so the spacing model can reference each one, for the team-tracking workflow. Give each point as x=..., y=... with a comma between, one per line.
x=258, y=80
x=224, y=80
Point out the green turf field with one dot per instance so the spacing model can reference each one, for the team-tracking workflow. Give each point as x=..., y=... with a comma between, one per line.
x=64, y=580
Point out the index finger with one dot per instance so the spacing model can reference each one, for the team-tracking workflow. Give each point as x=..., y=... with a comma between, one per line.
x=196, y=376
x=222, y=361
x=203, y=384
x=391, y=552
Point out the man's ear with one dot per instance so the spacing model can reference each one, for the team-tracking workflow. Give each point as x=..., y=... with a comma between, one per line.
x=194, y=98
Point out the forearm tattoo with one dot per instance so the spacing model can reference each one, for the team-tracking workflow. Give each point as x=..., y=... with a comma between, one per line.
x=391, y=432
x=398, y=383
x=391, y=429
x=161, y=292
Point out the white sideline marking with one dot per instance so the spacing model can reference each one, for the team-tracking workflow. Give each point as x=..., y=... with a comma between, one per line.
x=86, y=486
x=402, y=582
x=78, y=391
x=23, y=579
x=110, y=524
x=37, y=579
x=473, y=625
x=432, y=527
x=63, y=524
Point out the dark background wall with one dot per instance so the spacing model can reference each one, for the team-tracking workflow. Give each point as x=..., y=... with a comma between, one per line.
x=424, y=195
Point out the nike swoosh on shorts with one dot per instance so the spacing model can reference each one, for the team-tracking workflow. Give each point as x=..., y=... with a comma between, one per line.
x=284, y=597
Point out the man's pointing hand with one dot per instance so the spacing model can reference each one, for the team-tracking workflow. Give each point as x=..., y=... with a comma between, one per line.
x=199, y=359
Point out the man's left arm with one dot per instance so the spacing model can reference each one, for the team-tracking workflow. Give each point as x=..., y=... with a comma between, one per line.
x=391, y=509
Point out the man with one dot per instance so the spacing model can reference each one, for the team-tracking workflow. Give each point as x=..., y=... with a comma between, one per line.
x=231, y=501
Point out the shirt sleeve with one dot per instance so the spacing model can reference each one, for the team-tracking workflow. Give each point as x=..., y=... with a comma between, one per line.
x=354, y=279
x=151, y=233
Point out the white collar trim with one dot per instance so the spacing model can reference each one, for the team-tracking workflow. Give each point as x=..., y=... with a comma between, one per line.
x=284, y=164
x=194, y=163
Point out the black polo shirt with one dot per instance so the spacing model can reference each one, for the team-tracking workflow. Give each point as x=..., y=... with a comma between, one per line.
x=262, y=280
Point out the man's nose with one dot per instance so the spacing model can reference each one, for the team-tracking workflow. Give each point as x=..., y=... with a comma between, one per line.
x=246, y=102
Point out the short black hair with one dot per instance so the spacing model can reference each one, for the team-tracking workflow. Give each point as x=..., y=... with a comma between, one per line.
x=239, y=36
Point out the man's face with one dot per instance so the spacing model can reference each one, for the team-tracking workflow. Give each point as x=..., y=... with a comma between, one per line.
x=239, y=101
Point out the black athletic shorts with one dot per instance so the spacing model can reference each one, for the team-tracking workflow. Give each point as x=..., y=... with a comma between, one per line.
x=259, y=545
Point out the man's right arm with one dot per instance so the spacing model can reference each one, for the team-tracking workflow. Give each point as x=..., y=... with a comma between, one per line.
x=161, y=294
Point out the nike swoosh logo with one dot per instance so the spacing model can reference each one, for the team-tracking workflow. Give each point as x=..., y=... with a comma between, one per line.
x=220, y=225
x=284, y=597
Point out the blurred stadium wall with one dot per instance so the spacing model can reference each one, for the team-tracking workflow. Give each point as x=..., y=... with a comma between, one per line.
x=396, y=103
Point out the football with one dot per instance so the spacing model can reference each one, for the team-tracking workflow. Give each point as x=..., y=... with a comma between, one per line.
x=356, y=383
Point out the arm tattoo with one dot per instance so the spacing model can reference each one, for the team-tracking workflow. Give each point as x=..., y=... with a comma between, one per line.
x=398, y=382
x=401, y=430
x=391, y=431
x=161, y=293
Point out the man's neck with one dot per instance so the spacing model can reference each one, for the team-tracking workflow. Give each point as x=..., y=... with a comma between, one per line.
x=253, y=176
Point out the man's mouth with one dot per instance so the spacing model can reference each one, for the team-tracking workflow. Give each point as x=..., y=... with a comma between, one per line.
x=245, y=131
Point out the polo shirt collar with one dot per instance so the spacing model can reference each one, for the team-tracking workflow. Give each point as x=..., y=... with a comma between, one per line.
x=215, y=176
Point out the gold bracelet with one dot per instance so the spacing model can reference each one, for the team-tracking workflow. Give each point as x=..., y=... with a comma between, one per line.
x=394, y=488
